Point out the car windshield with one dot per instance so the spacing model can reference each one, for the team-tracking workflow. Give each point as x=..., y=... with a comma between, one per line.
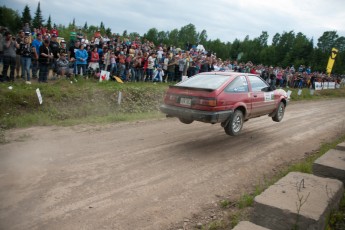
x=211, y=81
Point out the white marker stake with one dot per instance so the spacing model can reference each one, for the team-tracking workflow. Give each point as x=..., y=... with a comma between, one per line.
x=119, y=99
x=39, y=96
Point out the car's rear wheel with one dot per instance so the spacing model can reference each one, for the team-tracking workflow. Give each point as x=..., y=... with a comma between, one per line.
x=235, y=124
x=185, y=121
x=280, y=113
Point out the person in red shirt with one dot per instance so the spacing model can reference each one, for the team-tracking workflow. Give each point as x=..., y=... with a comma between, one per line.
x=94, y=61
x=54, y=31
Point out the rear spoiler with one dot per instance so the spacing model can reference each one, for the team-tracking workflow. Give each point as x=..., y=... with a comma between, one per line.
x=192, y=88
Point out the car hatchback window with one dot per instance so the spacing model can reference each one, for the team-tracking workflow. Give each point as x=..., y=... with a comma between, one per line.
x=238, y=85
x=205, y=81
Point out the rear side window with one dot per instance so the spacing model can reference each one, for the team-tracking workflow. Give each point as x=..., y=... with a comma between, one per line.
x=238, y=85
x=257, y=83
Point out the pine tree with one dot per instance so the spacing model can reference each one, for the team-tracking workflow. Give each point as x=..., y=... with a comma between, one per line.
x=38, y=19
x=26, y=15
x=85, y=26
x=49, y=23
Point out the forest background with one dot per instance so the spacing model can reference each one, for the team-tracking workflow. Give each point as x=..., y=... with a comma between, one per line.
x=285, y=49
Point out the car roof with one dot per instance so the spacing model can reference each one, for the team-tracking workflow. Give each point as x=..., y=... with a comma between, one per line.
x=227, y=73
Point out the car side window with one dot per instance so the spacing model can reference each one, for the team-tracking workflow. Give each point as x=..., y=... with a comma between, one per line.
x=257, y=83
x=238, y=85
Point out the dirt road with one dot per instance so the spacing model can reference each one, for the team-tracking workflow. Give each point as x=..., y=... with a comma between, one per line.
x=151, y=174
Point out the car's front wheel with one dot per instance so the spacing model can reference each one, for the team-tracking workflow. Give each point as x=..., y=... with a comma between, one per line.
x=185, y=121
x=235, y=124
x=280, y=113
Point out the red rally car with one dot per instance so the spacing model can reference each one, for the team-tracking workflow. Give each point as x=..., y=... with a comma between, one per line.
x=229, y=98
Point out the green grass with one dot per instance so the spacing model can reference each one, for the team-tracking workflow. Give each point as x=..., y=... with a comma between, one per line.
x=90, y=101
x=84, y=101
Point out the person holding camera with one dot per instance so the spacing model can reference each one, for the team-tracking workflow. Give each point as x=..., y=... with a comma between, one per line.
x=45, y=57
x=9, y=56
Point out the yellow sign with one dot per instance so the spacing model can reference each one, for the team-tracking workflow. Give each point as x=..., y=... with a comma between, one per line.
x=118, y=79
x=331, y=61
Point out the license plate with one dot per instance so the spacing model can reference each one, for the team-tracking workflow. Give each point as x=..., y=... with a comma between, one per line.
x=186, y=101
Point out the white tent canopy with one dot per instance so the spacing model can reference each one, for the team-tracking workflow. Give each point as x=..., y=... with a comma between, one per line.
x=200, y=48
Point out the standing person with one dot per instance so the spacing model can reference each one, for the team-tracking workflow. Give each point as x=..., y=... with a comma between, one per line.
x=2, y=30
x=26, y=51
x=36, y=43
x=20, y=40
x=181, y=65
x=94, y=61
x=272, y=78
x=151, y=62
x=71, y=55
x=171, y=68
x=9, y=46
x=54, y=48
x=44, y=59
x=113, y=67
x=81, y=59
x=54, y=31
x=137, y=65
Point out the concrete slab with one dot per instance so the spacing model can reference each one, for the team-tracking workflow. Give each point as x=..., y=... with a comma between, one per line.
x=331, y=164
x=341, y=146
x=246, y=225
x=298, y=200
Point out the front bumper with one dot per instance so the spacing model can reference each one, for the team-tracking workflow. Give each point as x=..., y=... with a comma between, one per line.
x=197, y=115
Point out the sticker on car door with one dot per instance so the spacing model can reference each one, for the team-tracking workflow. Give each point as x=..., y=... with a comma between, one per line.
x=269, y=96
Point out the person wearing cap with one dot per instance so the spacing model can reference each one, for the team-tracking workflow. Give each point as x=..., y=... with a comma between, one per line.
x=63, y=65
x=45, y=57
x=71, y=54
x=63, y=47
x=36, y=44
x=9, y=45
x=54, y=31
x=55, y=48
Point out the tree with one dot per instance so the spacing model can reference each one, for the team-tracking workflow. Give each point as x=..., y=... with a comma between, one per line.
x=85, y=26
x=49, y=23
x=152, y=35
x=101, y=26
x=187, y=36
x=173, y=37
x=202, y=37
x=10, y=19
x=26, y=15
x=263, y=39
x=38, y=19
x=327, y=41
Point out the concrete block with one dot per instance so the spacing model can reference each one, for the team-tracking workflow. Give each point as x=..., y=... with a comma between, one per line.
x=331, y=164
x=341, y=146
x=246, y=225
x=297, y=200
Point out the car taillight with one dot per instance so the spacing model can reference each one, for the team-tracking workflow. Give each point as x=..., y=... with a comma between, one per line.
x=171, y=97
x=206, y=101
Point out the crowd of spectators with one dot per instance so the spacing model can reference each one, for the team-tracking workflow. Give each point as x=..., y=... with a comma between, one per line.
x=39, y=53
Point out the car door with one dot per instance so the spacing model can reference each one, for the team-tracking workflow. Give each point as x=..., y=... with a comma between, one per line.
x=262, y=102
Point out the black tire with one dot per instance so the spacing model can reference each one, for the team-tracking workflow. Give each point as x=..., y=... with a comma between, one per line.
x=235, y=124
x=186, y=121
x=280, y=113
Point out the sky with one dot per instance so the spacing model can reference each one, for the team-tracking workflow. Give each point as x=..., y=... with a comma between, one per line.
x=226, y=20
